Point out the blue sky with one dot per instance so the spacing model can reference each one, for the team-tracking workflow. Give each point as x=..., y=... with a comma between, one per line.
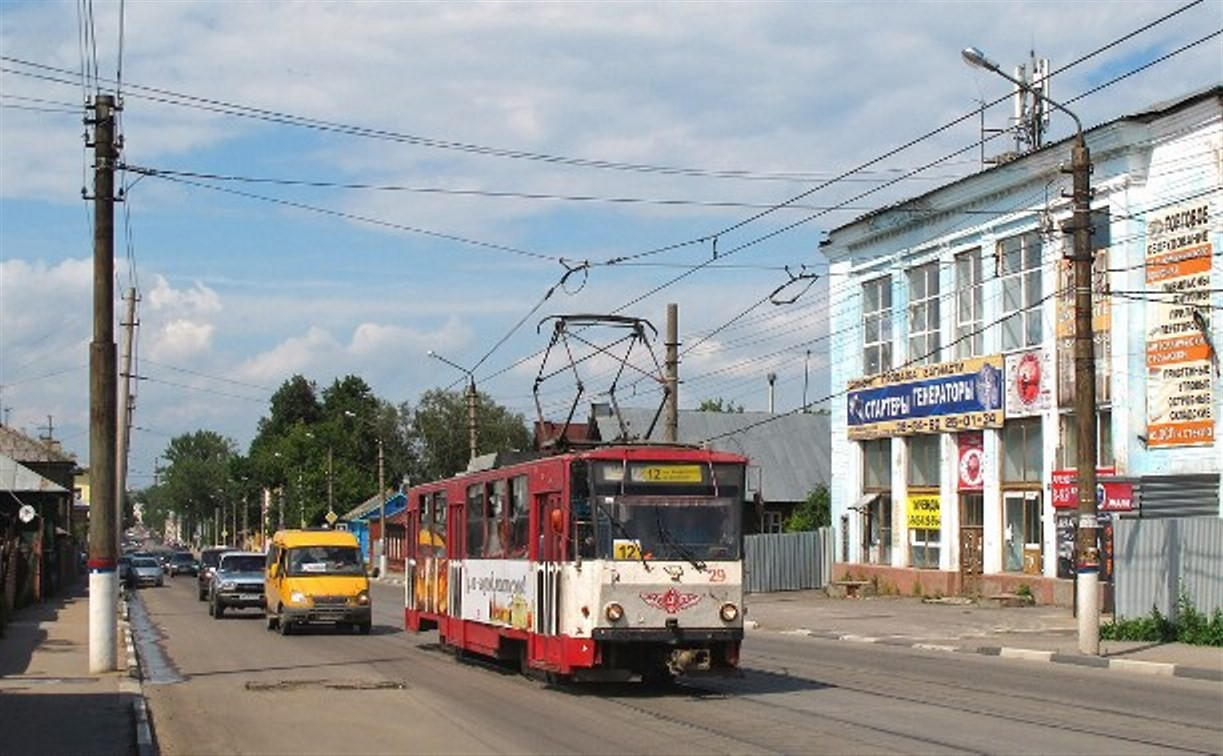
x=238, y=294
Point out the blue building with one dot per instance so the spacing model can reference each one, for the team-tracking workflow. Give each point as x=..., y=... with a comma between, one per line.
x=953, y=447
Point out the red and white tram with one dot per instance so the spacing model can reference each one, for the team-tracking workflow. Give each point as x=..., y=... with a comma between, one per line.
x=613, y=563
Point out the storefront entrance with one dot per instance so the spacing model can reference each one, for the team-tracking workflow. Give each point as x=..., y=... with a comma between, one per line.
x=972, y=539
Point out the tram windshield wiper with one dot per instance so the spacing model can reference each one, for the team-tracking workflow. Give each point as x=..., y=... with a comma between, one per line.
x=666, y=537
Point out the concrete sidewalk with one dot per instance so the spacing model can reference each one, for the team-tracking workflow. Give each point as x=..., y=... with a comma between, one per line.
x=50, y=703
x=1036, y=633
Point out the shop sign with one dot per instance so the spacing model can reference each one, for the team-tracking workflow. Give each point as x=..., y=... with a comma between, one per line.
x=1029, y=383
x=949, y=397
x=1180, y=386
x=923, y=511
x=971, y=468
x=1111, y=495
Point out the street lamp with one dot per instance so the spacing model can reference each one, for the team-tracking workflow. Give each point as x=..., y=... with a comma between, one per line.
x=1087, y=552
x=381, y=499
x=471, y=401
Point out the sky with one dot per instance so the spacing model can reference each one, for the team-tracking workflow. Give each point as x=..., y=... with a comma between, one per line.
x=339, y=188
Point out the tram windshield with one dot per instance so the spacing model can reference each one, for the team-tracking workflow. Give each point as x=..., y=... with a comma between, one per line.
x=646, y=527
x=661, y=511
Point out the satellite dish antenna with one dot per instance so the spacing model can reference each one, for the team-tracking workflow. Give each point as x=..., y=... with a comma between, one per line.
x=26, y=514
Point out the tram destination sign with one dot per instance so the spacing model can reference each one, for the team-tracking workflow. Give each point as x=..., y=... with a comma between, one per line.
x=944, y=398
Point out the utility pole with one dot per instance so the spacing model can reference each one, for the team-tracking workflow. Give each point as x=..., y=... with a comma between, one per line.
x=671, y=417
x=471, y=418
x=1087, y=572
x=382, y=511
x=124, y=437
x=103, y=554
x=1087, y=549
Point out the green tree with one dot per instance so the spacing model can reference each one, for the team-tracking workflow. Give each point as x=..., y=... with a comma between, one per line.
x=196, y=482
x=439, y=432
x=719, y=405
x=815, y=512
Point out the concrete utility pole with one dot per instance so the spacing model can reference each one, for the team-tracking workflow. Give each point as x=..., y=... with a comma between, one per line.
x=1087, y=549
x=103, y=551
x=671, y=417
x=471, y=401
x=124, y=438
x=381, y=511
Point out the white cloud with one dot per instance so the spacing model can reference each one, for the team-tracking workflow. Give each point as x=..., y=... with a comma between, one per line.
x=178, y=340
x=197, y=300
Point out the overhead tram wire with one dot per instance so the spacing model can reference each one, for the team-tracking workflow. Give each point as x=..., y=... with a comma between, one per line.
x=484, y=193
x=169, y=97
x=350, y=216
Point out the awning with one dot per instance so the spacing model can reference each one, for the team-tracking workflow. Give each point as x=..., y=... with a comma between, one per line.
x=865, y=501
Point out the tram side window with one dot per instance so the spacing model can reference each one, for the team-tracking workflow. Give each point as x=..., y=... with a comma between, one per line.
x=475, y=520
x=498, y=526
x=580, y=506
x=519, y=518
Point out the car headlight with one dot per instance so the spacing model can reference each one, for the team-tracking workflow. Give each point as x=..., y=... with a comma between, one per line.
x=729, y=612
x=363, y=598
x=614, y=612
x=297, y=597
x=227, y=585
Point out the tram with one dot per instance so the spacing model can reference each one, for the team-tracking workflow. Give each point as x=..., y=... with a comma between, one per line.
x=616, y=563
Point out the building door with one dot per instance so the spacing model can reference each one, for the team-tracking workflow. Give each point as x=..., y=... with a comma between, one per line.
x=1022, y=532
x=972, y=539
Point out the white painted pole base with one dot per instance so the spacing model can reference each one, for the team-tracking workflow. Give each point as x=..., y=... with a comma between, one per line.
x=103, y=621
x=1087, y=591
x=382, y=565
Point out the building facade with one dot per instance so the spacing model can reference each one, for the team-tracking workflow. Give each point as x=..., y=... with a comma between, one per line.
x=952, y=314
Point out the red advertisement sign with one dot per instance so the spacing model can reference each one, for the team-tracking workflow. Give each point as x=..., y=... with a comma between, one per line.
x=1111, y=495
x=971, y=468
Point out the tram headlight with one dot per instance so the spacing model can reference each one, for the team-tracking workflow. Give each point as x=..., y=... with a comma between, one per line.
x=614, y=612
x=729, y=612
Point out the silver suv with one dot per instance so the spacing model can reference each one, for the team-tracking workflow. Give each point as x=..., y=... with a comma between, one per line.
x=237, y=582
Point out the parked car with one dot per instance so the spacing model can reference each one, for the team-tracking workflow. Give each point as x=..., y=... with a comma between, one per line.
x=147, y=571
x=183, y=563
x=237, y=582
x=208, y=562
x=125, y=572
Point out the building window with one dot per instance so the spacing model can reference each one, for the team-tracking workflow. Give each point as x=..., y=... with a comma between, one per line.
x=924, y=318
x=969, y=336
x=1068, y=444
x=1019, y=270
x=876, y=508
x=924, y=548
x=877, y=531
x=1021, y=452
x=877, y=465
x=924, y=461
x=877, y=325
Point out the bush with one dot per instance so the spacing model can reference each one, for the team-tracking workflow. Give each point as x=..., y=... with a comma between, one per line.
x=1189, y=626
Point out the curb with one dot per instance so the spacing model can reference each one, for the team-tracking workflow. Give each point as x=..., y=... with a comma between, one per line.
x=1137, y=666
x=133, y=686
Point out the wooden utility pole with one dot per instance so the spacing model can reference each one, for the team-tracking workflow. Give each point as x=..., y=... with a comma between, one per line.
x=671, y=420
x=1087, y=551
x=103, y=519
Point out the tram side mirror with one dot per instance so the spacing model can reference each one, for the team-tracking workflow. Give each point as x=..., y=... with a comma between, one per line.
x=557, y=521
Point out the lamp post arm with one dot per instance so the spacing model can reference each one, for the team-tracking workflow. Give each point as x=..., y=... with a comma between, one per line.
x=975, y=57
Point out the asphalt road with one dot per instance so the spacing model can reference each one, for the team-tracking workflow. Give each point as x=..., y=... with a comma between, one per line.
x=230, y=686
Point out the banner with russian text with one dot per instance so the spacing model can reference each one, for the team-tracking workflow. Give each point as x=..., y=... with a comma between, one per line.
x=944, y=398
x=1180, y=380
